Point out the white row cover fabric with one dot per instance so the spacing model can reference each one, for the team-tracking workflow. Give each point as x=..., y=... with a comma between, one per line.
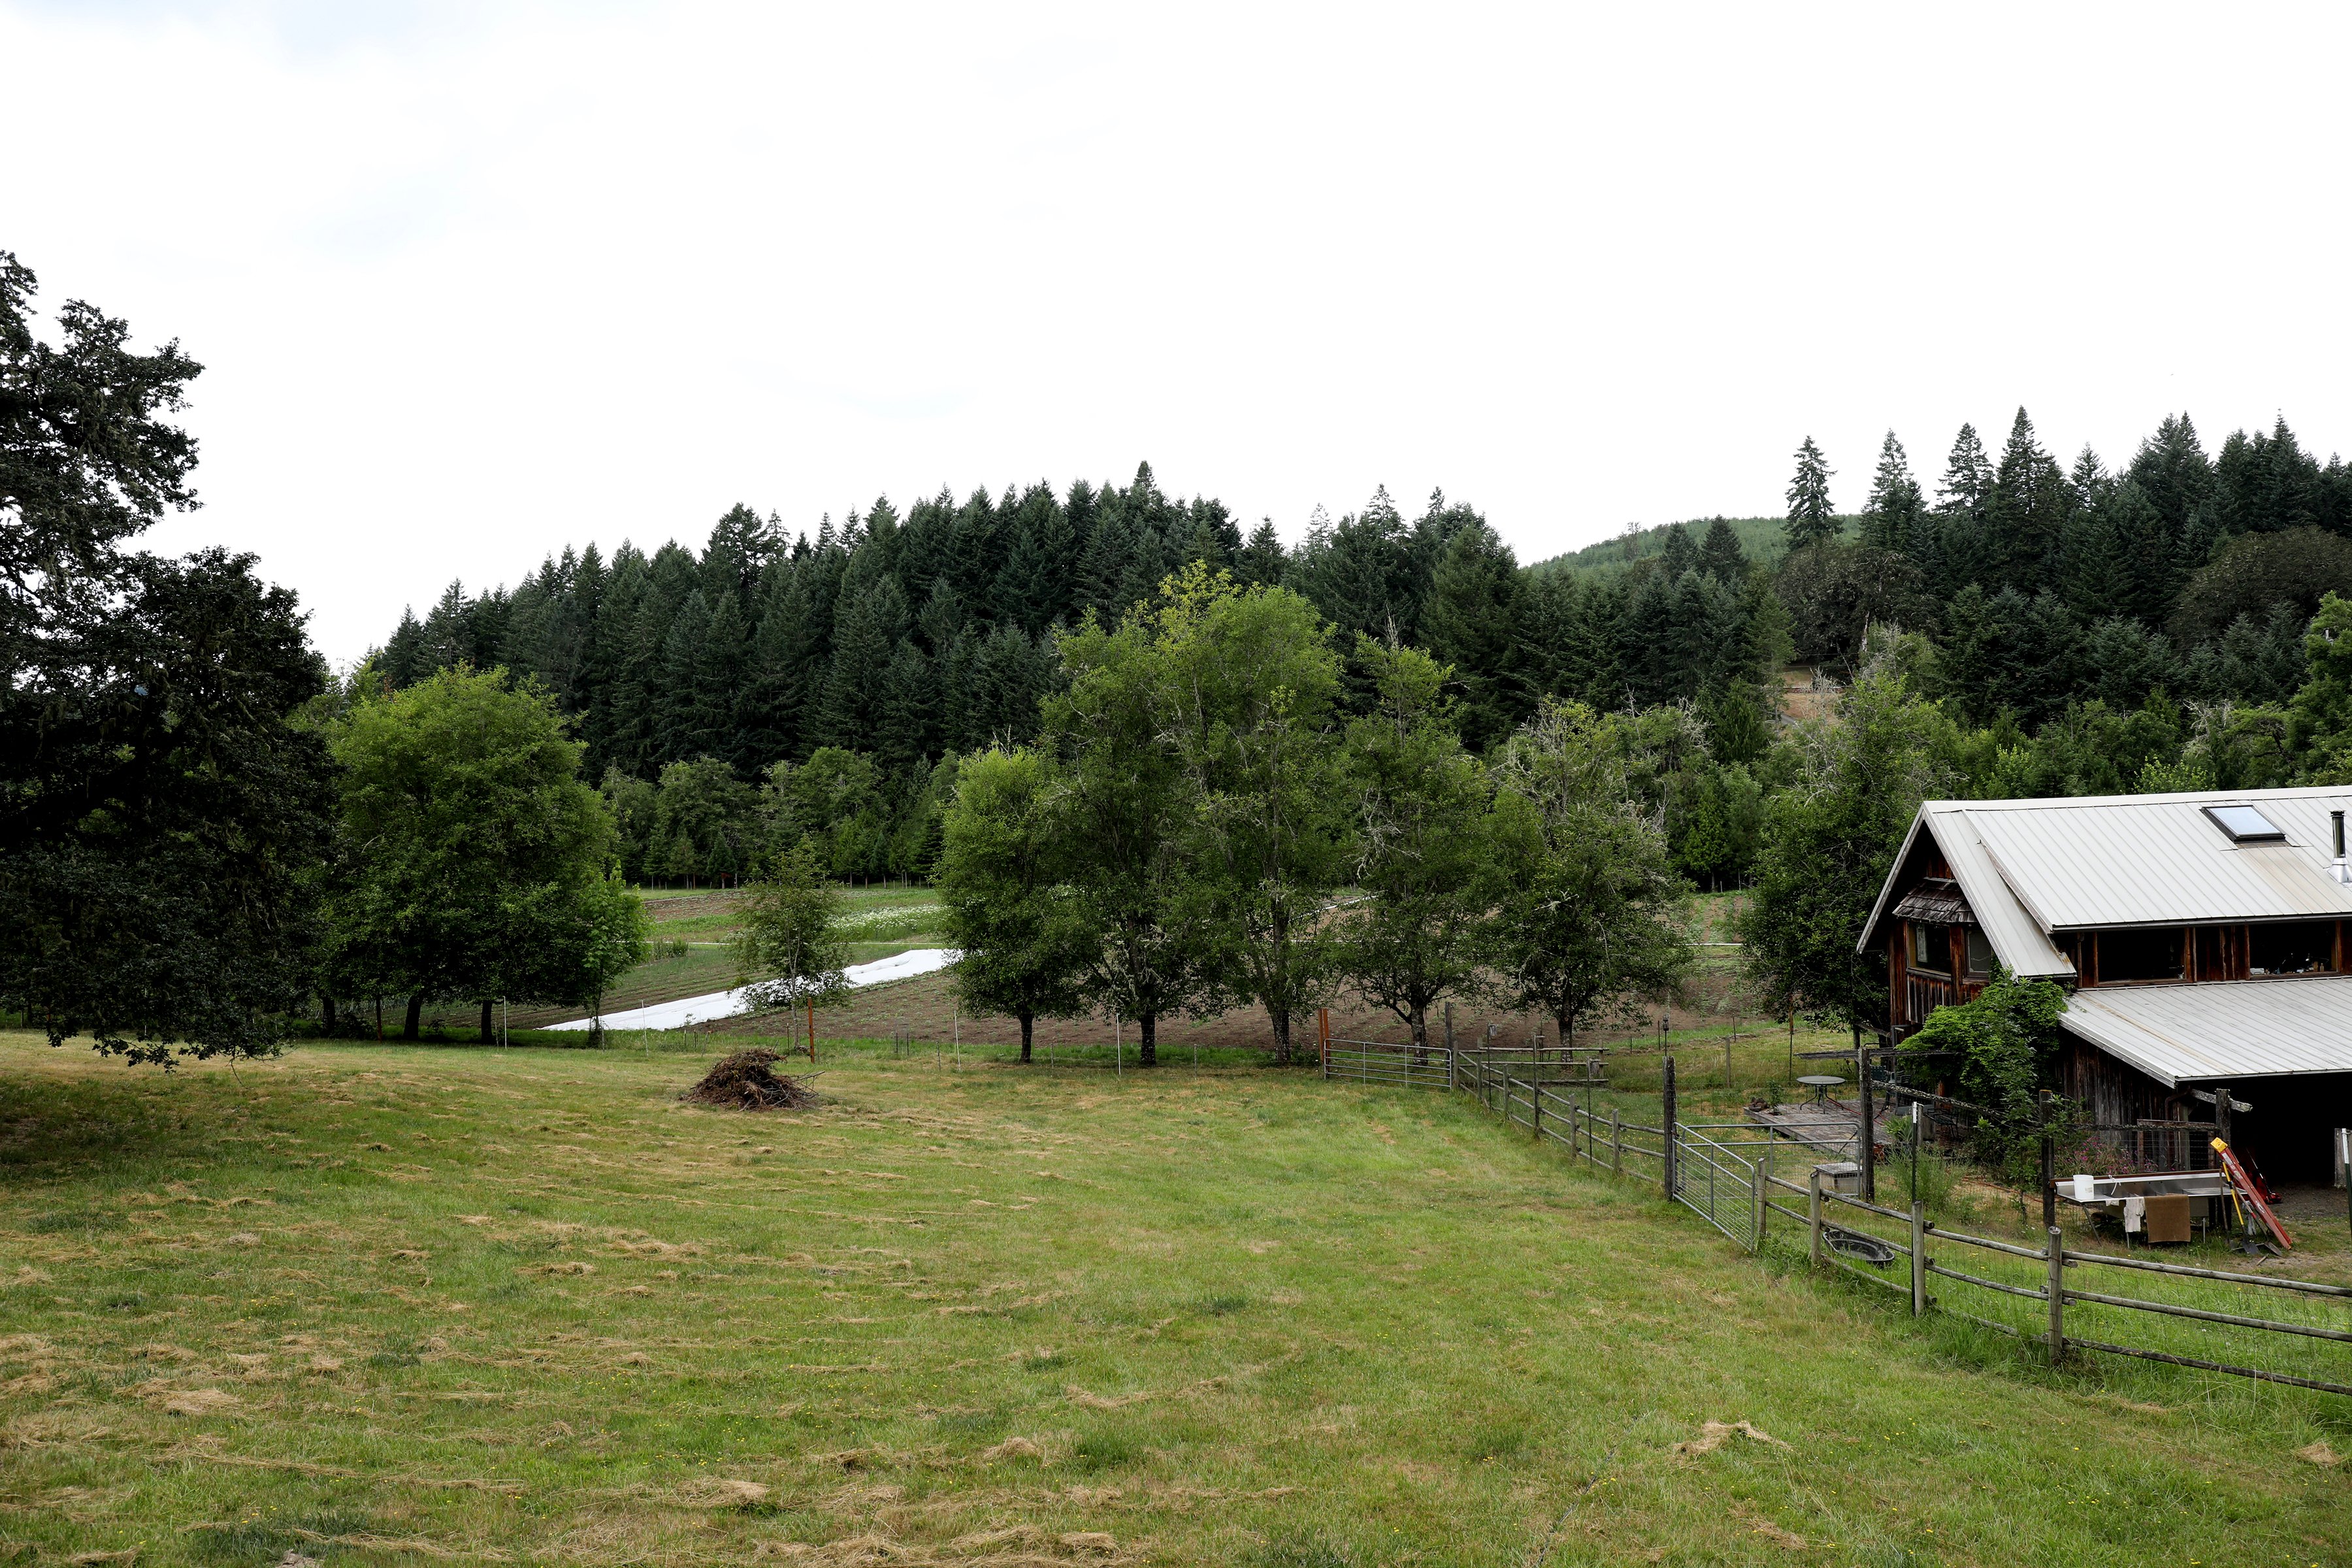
x=688, y=1010
x=2223, y=1030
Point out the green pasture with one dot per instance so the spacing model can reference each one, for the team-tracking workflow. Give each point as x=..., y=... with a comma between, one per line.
x=401, y=1305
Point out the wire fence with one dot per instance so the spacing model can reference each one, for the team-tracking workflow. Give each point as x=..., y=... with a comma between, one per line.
x=1759, y=1189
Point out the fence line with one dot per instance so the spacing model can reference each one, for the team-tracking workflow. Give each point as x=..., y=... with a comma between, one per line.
x=1729, y=1183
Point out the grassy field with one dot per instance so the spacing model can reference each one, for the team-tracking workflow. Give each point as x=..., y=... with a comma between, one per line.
x=376, y=1305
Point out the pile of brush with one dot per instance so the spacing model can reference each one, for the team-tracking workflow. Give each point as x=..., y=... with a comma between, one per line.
x=748, y=1081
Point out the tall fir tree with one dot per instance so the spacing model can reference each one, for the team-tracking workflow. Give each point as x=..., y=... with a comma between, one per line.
x=1721, y=555
x=868, y=637
x=2173, y=472
x=2026, y=514
x=1261, y=563
x=1895, y=504
x=1810, y=520
x=1471, y=622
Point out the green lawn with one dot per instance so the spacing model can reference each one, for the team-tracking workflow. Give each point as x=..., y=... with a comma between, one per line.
x=387, y=1305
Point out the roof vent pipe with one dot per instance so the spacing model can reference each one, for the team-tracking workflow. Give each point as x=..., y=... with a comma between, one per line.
x=2340, y=871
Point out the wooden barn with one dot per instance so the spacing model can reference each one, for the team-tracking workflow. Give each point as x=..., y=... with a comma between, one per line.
x=2203, y=939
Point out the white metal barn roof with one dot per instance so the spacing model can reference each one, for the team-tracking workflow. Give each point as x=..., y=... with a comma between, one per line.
x=2115, y=860
x=2023, y=948
x=2033, y=868
x=2231, y=1029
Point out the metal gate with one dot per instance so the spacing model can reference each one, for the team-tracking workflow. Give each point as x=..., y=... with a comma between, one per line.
x=1381, y=1061
x=1720, y=1184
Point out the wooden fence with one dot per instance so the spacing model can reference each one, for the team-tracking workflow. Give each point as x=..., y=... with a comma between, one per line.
x=2213, y=1320
x=2223, y=1321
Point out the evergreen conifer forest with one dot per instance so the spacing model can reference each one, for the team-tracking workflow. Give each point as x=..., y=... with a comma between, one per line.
x=2088, y=628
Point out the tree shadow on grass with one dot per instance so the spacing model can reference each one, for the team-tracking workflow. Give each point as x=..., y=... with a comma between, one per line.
x=120, y=1117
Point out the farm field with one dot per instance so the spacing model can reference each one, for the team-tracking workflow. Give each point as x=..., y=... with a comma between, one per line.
x=392, y=1305
x=691, y=956
x=691, y=929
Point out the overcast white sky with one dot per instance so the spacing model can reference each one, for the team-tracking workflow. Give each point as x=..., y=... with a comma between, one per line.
x=475, y=280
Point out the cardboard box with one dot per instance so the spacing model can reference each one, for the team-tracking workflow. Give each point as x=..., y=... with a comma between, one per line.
x=2168, y=1216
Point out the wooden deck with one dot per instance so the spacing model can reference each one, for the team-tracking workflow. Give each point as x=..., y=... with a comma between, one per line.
x=1834, y=1129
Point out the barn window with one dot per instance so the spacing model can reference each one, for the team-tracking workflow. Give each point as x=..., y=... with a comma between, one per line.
x=2153, y=953
x=1981, y=955
x=2303, y=947
x=1931, y=947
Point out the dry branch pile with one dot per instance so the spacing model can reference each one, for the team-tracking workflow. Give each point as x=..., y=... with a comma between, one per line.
x=745, y=1081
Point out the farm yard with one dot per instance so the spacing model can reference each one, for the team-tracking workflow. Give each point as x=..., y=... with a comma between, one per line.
x=1815, y=1039
x=381, y=1304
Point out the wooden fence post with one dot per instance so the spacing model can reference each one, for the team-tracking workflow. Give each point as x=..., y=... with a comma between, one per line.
x=1534, y=1107
x=1616, y=1143
x=1667, y=1121
x=1918, y=1258
x=1813, y=1211
x=2057, y=1293
x=1323, y=1038
x=1757, y=1195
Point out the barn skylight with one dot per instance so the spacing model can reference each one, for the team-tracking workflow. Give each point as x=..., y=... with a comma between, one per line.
x=2244, y=824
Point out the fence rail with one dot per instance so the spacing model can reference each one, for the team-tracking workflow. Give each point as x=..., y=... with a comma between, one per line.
x=1729, y=1182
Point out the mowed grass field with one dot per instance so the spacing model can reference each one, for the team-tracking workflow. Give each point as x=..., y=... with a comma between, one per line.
x=384, y=1305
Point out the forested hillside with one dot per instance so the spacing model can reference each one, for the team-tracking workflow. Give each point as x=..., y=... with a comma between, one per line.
x=1765, y=540
x=2091, y=628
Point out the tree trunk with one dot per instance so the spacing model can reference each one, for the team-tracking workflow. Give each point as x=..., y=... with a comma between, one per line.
x=1420, y=1034
x=1146, y=1035
x=415, y=1014
x=327, y=1004
x=488, y=1038
x=1280, y=1018
x=1028, y=1031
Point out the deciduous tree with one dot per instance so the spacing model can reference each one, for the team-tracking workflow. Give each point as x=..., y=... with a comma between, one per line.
x=1853, y=784
x=789, y=952
x=159, y=813
x=1423, y=848
x=1589, y=919
x=1024, y=945
x=1130, y=812
x=471, y=854
x=1251, y=691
